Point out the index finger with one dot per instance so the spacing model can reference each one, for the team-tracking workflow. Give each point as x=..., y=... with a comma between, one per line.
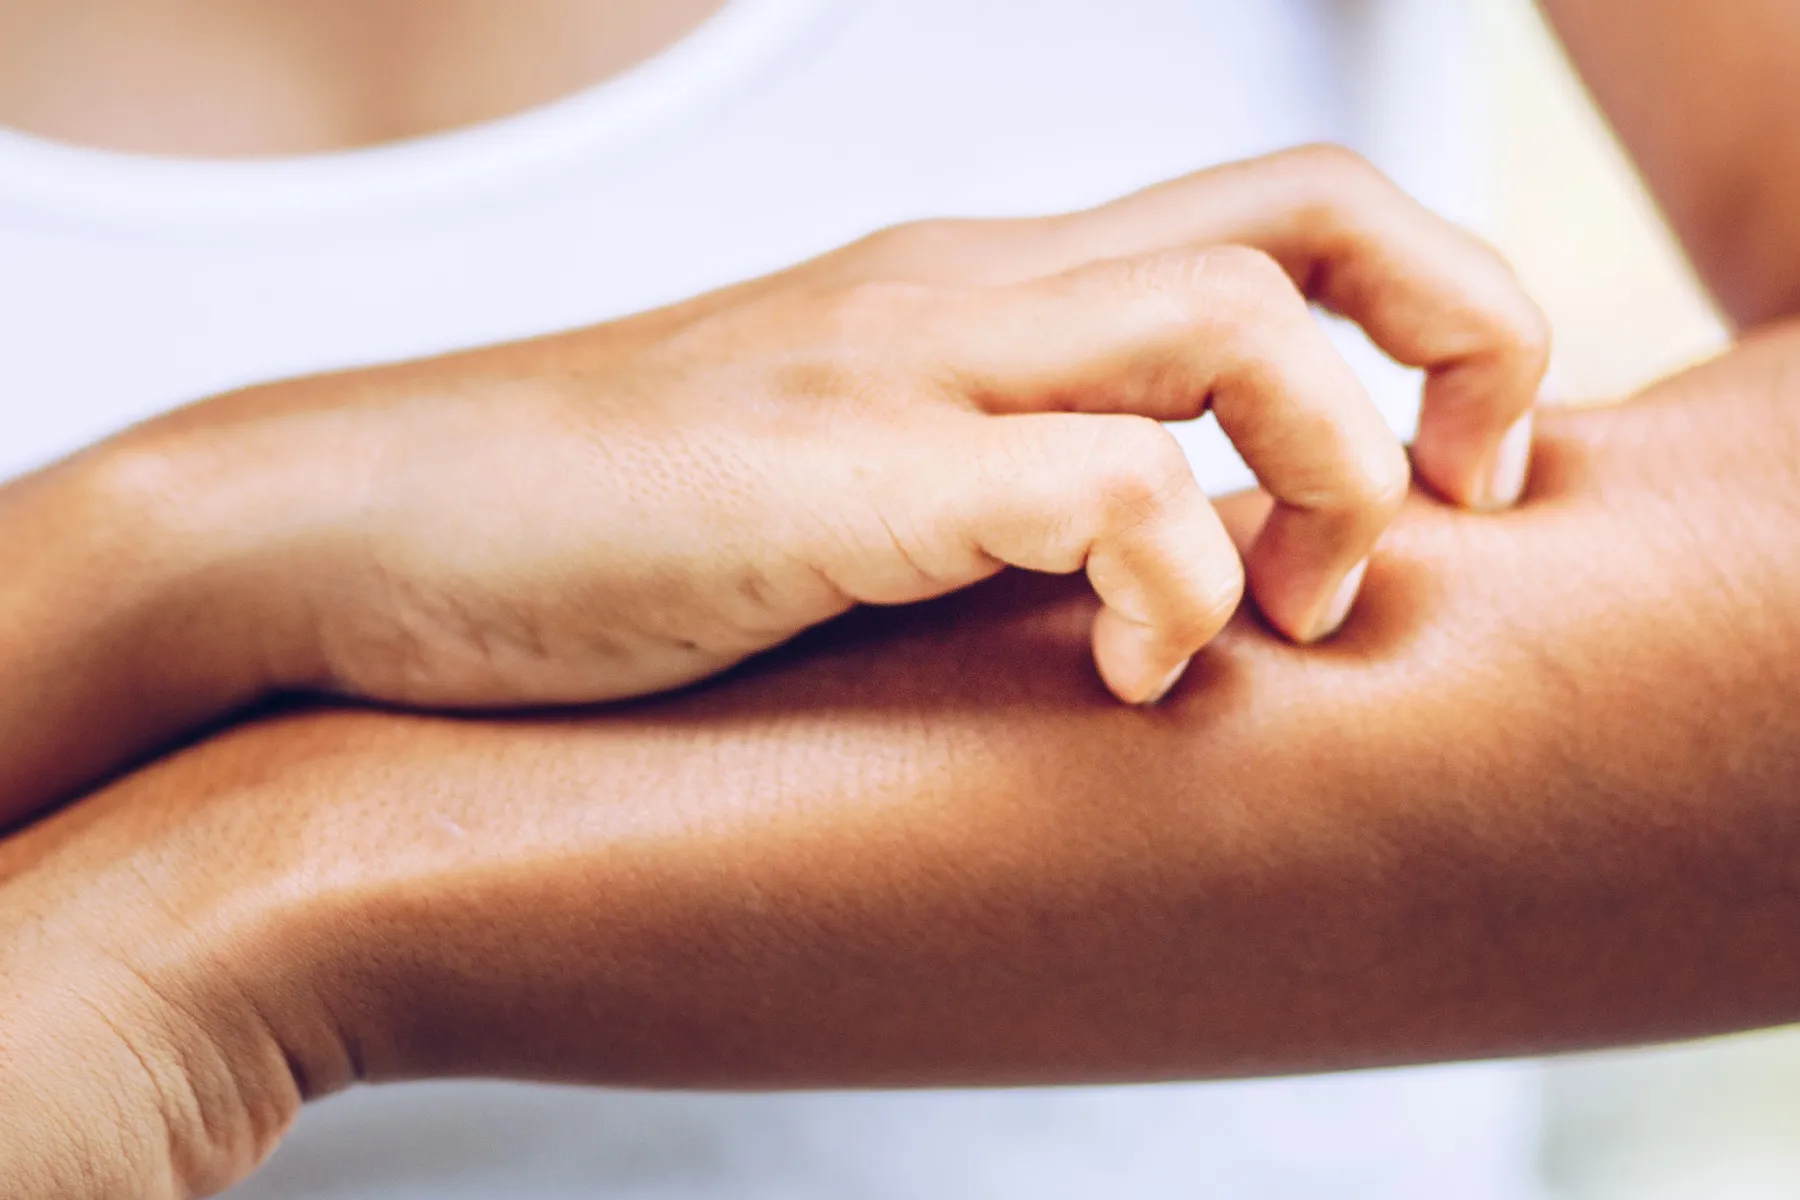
x=1428, y=293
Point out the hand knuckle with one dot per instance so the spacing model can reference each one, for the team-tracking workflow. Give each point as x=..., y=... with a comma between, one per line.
x=1157, y=275
x=1226, y=285
x=1336, y=190
x=875, y=308
x=913, y=242
x=1333, y=166
x=1216, y=597
x=1527, y=334
x=1248, y=286
x=1243, y=267
x=1136, y=464
x=1381, y=489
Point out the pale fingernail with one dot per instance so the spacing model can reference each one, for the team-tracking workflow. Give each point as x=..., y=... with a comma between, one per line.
x=1338, y=611
x=1506, y=474
x=1166, y=686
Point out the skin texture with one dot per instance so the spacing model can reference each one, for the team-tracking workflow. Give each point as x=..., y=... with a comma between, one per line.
x=631, y=507
x=1544, y=798
x=921, y=847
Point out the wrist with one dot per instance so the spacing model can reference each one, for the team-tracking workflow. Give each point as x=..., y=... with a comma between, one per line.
x=165, y=1080
x=127, y=618
x=204, y=536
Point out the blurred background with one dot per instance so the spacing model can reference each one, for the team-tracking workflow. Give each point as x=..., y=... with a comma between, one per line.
x=1718, y=1120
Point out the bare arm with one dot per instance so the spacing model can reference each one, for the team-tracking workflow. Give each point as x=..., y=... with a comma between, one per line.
x=628, y=508
x=1704, y=97
x=1545, y=793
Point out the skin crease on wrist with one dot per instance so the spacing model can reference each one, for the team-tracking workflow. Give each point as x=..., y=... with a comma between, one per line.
x=1538, y=796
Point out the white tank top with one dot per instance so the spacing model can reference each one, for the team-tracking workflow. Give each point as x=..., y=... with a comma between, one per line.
x=777, y=130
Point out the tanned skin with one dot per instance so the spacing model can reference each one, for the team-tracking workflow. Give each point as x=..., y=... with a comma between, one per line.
x=1540, y=794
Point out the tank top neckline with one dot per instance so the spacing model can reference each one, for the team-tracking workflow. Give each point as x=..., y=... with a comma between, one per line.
x=729, y=52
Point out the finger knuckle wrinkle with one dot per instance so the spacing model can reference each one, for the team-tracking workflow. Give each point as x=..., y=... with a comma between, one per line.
x=1246, y=288
x=1361, y=493
x=1136, y=465
x=1168, y=279
x=1381, y=488
x=1216, y=598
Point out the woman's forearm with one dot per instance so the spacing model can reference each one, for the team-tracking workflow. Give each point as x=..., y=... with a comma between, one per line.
x=1544, y=793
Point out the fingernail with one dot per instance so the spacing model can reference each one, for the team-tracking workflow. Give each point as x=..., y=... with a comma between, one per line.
x=1338, y=611
x=1506, y=474
x=1166, y=686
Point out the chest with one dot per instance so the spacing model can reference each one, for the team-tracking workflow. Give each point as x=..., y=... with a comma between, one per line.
x=128, y=287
